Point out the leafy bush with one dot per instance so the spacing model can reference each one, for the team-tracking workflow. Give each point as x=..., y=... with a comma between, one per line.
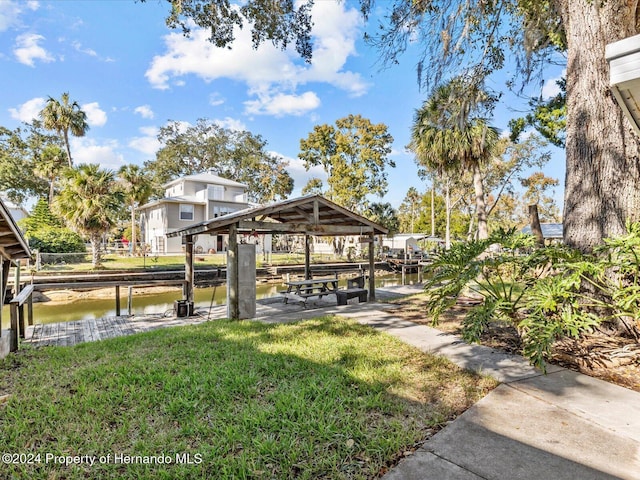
x=545, y=293
x=40, y=217
x=498, y=269
x=56, y=240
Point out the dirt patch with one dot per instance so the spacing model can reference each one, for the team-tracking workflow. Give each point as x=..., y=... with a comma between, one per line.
x=610, y=358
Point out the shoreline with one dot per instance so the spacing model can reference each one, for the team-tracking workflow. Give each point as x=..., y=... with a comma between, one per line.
x=64, y=296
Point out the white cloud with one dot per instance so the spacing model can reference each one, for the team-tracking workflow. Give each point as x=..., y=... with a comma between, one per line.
x=231, y=124
x=147, y=143
x=195, y=55
x=96, y=117
x=87, y=51
x=300, y=175
x=28, y=110
x=85, y=150
x=78, y=47
x=335, y=31
x=215, y=99
x=10, y=12
x=268, y=69
x=282, y=104
x=27, y=49
x=550, y=88
x=144, y=111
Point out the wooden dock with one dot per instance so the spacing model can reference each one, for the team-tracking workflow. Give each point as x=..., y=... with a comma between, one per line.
x=90, y=330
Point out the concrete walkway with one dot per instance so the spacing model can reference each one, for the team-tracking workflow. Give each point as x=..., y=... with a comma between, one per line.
x=558, y=426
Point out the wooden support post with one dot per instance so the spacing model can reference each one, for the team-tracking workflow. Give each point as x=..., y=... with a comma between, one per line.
x=404, y=273
x=30, y=309
x=233, y=305
x=16, y=311
x=307, y=257
x=117, y=300
x=188, y=268
x=2, y=291
x=372, y=270
x=5, y=264
x=130, y=301
x=16, y=282
x=21, y=329
x=13, y=340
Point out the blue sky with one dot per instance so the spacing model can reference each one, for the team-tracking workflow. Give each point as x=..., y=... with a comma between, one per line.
x=131, y=75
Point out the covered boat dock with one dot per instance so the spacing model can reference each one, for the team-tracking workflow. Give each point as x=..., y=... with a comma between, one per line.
x=311, y=215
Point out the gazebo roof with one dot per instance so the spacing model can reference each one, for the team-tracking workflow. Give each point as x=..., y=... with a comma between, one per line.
x=12, y=244
x=311, y=214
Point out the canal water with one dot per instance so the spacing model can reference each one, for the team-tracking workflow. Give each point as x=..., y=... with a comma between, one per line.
x=157, y=303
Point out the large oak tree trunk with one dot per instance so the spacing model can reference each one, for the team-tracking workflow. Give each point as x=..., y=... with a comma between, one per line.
x=602, y=172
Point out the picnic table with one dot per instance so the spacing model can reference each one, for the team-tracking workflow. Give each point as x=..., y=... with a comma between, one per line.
x=301, y=290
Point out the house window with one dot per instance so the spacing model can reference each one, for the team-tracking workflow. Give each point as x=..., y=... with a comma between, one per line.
x=216, y=192
x=186, y=212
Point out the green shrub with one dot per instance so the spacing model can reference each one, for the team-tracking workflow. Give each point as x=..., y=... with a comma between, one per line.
x=56, y=240
x=498, y=269
x=40, y=217
x=546, y=293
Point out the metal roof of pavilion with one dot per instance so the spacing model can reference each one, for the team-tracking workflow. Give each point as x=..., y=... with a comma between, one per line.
x=12, y=243
x=311, y=214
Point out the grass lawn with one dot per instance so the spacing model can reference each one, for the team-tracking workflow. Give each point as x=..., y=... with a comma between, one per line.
x=325, y=398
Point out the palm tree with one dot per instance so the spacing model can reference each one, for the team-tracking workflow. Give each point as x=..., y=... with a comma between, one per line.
x=52, y=161
x=384, y=214
x=137, y=190
x=89, y=201
x=64, y=117
x=413, y=197
x=446, y=138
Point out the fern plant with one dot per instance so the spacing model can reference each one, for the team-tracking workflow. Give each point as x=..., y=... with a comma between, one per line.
x=546, y=293
x=538, y=291
x=498, y=270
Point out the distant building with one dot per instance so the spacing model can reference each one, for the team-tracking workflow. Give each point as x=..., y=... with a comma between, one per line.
x=189, y=200
x=552, y=232
x=407, y=245
x=16, y=211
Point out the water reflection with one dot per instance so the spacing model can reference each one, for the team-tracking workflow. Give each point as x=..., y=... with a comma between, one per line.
x=156, y=303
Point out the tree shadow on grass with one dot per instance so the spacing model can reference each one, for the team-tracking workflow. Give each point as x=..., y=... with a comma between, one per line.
x=318, y=399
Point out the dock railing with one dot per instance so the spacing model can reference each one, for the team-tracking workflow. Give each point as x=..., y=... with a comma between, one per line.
x=16, y=309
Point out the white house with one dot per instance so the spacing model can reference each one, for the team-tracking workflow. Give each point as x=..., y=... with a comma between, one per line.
x=188, y=200
x=624, y=74
x=17, y=212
